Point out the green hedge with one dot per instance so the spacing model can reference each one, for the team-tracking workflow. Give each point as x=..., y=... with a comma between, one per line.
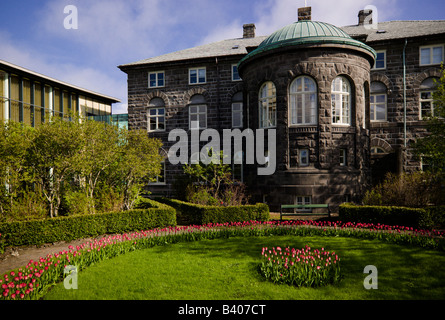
x=190, y=213
x=37, y=232
x=427, y=218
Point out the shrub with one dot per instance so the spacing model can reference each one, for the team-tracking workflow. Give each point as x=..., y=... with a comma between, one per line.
x=69, y=228
x=411, y=217
x=416, y=189
x=190, y=213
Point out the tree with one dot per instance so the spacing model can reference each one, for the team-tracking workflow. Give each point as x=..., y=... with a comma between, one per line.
x=139, y=162
x=51, y=155
x=15, y=139
x=432, y=147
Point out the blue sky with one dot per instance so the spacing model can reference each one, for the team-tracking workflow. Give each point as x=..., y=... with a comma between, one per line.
x=115, y=32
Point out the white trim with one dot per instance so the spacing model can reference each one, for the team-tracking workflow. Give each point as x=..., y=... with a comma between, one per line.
x=300, y=158
x=157, y=79
x=156, y=116
x=384, y=61
x=239, y=79
x=293, y=97
x=240, y=112
x=342, y=93
x=374, y=104
x=431, y=54
x=197, y=75
x=197, y=113
x=6, y=95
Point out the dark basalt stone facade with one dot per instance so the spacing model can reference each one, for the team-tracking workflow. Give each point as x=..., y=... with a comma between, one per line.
x=338, y=169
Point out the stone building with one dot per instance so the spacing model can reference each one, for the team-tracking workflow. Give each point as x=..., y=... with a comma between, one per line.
x=336, y=98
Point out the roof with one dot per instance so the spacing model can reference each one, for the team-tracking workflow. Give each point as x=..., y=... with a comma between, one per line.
x=231, y=47
x=307, y=32
x=9, y=66
x=397, y=30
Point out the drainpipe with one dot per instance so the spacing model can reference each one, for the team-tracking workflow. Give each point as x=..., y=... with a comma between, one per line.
x=404, y=93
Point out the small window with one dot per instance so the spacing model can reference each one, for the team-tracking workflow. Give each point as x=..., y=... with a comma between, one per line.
x=235, y=74
x=304, y=157
x=427, y=88
x=156, y=79
x=198, y=113
x=380, y=61
x=430, y=55
x=343, y=157
x=237, y=110
x=197, y=76
x=378, y=101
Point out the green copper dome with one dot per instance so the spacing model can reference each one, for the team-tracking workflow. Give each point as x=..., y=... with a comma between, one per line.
x=307, y=32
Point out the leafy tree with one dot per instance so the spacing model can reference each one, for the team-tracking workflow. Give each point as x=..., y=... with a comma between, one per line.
x=51, y=155
x=15, y=139
x=432, y=147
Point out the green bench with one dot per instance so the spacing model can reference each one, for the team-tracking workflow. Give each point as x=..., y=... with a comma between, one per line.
x=304, y=210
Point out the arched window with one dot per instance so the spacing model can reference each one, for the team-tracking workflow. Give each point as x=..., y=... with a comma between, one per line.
x=156, y=115
x=378, y=101
x=427, y=88
x=341, y=101
x=303, y=101
x=268, y=105
x=198, y=112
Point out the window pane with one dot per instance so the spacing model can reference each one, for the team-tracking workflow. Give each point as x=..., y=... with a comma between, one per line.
x=437, y=55
x=381, y=98
x=202, y=75
x=425, y=56
x=153, y=112
x=380, y=112
x=193, y=76
x=152, y=80
x=425, y=95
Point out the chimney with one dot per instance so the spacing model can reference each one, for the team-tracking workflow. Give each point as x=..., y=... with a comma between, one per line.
x=249, y=30
x=363, y=15
x=304, y=13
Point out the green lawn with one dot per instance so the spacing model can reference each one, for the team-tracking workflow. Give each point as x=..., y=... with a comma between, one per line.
x=226, y=269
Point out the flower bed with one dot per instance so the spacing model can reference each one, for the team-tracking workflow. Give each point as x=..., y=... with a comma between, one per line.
x=37, y=277
x=300, y=267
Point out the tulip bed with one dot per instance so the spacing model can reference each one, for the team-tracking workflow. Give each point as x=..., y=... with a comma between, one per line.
x=35, y=279
x=300, y=267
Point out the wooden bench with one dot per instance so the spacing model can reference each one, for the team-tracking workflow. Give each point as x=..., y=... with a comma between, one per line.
x=304, y=210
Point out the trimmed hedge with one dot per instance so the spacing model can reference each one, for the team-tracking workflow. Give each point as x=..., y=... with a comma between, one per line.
x=37, y=232
x=427, y=218
x=190, y=213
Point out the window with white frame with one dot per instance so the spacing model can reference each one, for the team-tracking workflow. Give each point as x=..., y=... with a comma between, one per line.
x=427, y=88
x=156, y=115
x=268, y=105
x=198, y=112
x=156, y=79
x=341, y=101
x=303, y=101
x=235, y=74
x=430, y=55
x=237, y=110
x=197, y=75
x=304, y=157
x=380, y=61
x=378, y=101
x=303, y=200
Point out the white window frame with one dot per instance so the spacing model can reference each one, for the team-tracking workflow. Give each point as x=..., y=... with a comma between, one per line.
x=233, y=73
x=156, y=116
x=343, y=95
x=197, y=75
x=430, y=47
x=160, y=179
x=237, y=112
x=156, y=73
x=264, y=118
x=295, y=108
x=373, y=104
x=430, y=100
x=303, y=160
x=198, y=113
x=384, y=60
x=303, y=200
